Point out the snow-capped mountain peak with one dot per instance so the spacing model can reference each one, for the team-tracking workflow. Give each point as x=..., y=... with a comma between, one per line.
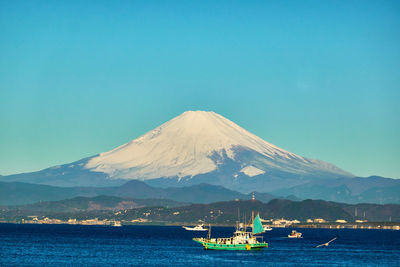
x=185, y=146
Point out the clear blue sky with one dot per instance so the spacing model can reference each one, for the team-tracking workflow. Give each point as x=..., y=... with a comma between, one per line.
x=318, y=78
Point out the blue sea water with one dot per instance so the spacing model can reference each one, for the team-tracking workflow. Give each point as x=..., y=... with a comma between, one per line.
x=76, y=245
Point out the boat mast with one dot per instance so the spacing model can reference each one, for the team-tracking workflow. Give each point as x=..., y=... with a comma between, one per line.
x=238, y=221
x=244, y=221
x=252, y=222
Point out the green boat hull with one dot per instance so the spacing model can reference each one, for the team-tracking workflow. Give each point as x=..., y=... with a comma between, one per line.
x=216, y=246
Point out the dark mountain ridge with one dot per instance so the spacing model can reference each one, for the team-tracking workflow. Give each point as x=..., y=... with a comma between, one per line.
x=16, y=193
x=373, y=189
x=95, y=203
x=226, y=212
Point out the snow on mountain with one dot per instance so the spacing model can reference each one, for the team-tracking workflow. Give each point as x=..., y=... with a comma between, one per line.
x=251, y=171
x=191, y=144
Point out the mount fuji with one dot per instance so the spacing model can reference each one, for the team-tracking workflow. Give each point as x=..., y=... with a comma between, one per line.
x=195, y=147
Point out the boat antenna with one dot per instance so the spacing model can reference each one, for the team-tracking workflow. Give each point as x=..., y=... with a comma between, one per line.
x=251, y=221
x=244, y=221
x=238, y=222
x=209, y=231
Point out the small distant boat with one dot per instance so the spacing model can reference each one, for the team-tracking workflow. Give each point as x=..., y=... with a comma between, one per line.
x=295, y=234
x=196, y=228
x=116, y=223
x=241, y=240
x=267, y=228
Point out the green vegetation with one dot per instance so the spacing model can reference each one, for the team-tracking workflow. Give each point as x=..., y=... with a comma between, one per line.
x=224, y=213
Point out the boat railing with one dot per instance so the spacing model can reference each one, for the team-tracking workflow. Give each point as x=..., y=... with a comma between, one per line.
x=227, y=240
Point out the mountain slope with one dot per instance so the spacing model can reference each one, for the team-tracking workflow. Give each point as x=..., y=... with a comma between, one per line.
x=220, y=212
x=16, y=193
x=193, y=148
x=227, y=212
x=96, y=203
x=372, y=189
x=194, y=143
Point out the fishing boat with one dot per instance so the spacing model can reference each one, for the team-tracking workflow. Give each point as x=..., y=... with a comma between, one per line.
x=295, y=234
x=241, y=240
x=196, y=228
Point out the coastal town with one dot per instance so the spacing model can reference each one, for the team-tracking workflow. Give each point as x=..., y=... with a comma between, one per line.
x=272, y=223
x=217, y=214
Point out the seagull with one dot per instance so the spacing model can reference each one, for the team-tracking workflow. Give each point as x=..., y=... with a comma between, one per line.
x=327, y=243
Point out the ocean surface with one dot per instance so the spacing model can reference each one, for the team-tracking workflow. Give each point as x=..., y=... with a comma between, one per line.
x=76, y=245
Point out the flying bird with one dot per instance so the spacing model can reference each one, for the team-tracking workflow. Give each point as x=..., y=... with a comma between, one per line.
x=327, y=243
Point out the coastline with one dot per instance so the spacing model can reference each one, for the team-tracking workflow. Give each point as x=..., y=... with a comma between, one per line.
x=365, y=226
